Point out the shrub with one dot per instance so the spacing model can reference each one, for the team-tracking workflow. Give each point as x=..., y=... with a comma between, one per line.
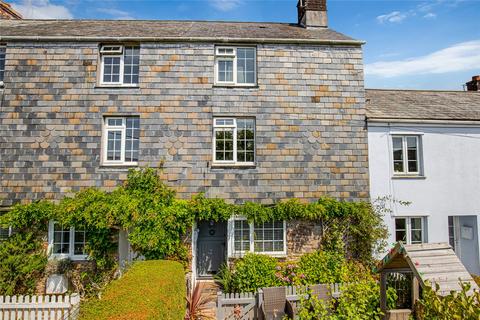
x=359, y=301
x=456, y=305
x=321, y=267
x=250, y=273
x=312, y=308
x=148, y=290
x=22, y=262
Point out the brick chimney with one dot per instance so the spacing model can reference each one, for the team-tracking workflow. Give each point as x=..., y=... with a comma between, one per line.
x=312, y=13
x=473, y=85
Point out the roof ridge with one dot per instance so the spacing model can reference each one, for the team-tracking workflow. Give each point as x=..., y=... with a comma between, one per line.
x=155, y=20
x=421, y=90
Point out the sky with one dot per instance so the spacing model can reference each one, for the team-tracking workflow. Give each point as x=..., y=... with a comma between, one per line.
x=431, y=44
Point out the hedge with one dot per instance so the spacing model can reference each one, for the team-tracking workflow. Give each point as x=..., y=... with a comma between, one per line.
x=148, y=290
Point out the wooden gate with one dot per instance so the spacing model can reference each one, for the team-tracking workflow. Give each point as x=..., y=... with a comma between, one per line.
x=236, y=306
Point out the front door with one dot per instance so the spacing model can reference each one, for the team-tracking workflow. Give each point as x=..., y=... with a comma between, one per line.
x=463, y=235
x=211, y=247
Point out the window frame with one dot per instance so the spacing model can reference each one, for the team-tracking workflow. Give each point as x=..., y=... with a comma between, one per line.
x=233, y=57
x=123, y=128
x=71, y=244
x=3, y=47
x=408, y=228
x=9, y=233
x=102, y=71
x=405, y=160
x=234, y=127
x=112, y=54
x=232, y=253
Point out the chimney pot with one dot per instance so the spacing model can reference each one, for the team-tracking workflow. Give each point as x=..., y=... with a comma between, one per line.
x=474, y=85
x=312, y=13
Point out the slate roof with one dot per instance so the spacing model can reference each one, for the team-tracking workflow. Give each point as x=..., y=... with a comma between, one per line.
x=423, y=105
x=430, y=263
x=174, y=30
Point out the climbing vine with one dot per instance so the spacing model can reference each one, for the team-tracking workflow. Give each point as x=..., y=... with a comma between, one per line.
x=158, y=222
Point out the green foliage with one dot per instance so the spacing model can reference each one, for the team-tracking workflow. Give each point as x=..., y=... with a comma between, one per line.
x=313, y=308
x=455, y=306
x=32, y=218
x=158, y=222
x=255, y=271
x=358, y=301
x=22, y=261
x=321, y=267
x=148, y=290
x=252, y=272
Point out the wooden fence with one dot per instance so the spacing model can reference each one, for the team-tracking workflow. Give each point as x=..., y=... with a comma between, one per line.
x=39, y=307
x=237, y=306
x=245, y=306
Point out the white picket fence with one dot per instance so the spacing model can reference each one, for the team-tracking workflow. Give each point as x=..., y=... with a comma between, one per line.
x=48, y=307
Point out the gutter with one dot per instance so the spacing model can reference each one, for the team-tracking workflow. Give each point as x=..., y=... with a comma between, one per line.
x=179, y=39
x=424, y=121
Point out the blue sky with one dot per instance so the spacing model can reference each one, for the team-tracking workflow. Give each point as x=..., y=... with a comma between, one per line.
x=432, y=44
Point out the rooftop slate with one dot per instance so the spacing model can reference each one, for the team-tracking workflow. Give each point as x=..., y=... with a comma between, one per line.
x=158, y=29
x=423, y=105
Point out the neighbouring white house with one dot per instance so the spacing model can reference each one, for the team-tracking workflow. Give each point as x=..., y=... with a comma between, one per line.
x=424, y=148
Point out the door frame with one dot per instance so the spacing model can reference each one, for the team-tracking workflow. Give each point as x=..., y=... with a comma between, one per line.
x=195, y=233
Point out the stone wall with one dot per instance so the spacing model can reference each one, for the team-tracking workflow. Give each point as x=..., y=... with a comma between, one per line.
x=302, y=237
x=309, y=109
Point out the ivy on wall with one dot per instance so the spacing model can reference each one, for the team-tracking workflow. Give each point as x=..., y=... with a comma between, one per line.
x=158, y=222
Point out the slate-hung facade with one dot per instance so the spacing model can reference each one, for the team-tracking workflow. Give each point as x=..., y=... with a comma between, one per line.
x=242, y=111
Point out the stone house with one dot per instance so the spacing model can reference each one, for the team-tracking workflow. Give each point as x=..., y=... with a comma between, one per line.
x=237, y=110
x=424, y=148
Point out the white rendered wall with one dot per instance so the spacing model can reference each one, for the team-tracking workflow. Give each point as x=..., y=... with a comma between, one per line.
x=450, y=158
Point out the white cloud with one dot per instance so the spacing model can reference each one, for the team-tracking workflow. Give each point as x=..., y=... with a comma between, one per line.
x=424, y=10
x=393, y=17
x=225, y=5
x=430, y=15
x=42, y=9
x=459, y=57
x=116, y=13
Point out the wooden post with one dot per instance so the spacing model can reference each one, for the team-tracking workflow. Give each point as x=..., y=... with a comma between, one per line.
x=220, y=311
x=383, y=292
x=415, y=290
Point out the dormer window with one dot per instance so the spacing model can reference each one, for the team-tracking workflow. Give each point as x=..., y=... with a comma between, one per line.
x=235, y=66
x=120, y=65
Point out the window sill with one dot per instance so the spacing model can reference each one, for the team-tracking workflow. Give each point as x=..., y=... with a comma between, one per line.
x=66, y=256
x=232, y=166
x=274, y=255
x=117, y=167
x=234, y=86
x=116, y=87
x=408, y=176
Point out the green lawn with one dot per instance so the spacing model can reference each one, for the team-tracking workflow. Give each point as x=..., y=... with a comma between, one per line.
x=148, y=290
